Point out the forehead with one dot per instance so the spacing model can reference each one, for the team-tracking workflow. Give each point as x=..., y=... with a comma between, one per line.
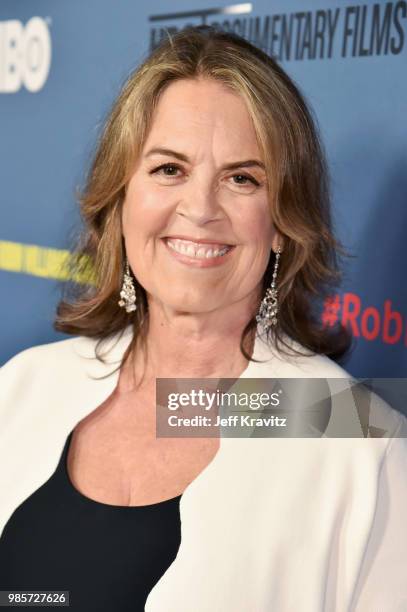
x=203, y=112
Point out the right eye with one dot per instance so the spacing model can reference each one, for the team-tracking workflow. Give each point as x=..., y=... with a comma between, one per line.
x=166, y=167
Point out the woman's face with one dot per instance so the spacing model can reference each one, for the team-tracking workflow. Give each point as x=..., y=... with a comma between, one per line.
x=196, y=219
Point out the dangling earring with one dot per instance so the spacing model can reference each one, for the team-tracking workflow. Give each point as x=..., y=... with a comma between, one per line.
x=128, y=292
x=269, y=307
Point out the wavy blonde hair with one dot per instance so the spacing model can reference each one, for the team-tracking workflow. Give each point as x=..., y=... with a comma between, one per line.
x=298, y=182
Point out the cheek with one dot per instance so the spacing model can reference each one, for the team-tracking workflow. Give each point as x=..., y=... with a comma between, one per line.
x=255, y=224
x=143, y=214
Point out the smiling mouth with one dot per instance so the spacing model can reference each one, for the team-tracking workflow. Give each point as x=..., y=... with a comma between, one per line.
x=198, y=250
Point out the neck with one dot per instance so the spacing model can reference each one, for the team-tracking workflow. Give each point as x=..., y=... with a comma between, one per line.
x=198, y=345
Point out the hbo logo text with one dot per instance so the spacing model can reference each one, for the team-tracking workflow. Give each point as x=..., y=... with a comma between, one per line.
x=25, y=55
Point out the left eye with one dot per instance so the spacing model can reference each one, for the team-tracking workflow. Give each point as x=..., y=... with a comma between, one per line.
x=246, y=178
x=175, y=167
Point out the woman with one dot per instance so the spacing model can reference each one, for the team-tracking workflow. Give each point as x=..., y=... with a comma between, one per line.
x=207, y=227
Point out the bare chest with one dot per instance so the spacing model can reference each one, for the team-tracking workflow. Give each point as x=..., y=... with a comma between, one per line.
x=115, y=457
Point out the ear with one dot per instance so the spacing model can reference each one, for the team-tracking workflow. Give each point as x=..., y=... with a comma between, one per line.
x=122, y=217
x=276, y=242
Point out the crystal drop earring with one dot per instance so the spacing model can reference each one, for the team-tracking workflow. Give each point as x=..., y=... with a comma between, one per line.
x=128, y=292
x=267, y=315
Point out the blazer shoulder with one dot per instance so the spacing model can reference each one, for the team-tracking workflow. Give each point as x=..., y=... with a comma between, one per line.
x=382, y=417
x=28, y=378
x=311, y=364
x=56, y=366
x=35, y=366
x=29, y=357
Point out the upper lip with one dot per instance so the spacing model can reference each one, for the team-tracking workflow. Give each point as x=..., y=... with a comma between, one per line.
x=198, y=240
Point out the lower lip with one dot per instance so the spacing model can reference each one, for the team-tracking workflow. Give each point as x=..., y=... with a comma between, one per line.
x=195, y=262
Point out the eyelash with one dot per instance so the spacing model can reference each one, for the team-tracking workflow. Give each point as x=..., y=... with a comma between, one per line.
x=163, y=166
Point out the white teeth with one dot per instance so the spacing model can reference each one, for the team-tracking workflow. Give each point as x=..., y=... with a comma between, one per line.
x=196, y=251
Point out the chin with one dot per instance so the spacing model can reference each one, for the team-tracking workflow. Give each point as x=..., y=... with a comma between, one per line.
x=198, y=305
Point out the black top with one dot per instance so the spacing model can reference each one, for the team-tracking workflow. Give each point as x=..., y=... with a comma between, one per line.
x=109, y=557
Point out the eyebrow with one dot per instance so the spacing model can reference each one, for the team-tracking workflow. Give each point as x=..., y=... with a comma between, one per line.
x=247, y=163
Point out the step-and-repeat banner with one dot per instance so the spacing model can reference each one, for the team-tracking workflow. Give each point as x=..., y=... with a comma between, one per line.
x=62, y=65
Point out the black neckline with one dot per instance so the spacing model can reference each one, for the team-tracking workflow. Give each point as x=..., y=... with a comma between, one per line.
x=94, y=502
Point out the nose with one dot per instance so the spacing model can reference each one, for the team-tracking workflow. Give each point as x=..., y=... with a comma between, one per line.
x=200, y=205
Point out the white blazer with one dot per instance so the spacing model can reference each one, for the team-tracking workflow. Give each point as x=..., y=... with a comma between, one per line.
x=270, y=525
